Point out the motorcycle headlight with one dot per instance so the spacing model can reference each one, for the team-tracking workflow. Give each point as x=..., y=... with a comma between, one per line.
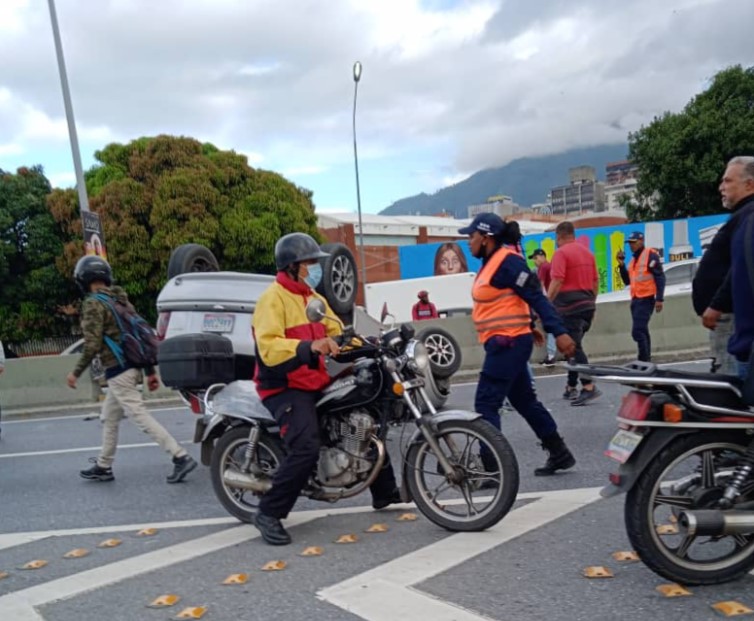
x=418, y=358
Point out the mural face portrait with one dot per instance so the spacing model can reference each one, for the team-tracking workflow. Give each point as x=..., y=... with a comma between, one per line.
x=450, y=259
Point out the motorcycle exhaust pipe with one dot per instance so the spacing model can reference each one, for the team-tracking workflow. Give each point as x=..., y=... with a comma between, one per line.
x=233, y=478
x=716, y=523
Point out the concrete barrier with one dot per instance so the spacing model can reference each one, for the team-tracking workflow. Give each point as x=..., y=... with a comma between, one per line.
x=40, y=382
x=676, y=329
x=33, y=383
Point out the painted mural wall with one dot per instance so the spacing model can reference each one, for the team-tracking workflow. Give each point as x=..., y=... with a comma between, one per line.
x=673, y=239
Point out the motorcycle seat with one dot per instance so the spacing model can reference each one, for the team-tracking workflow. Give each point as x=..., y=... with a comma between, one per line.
x=692, y=375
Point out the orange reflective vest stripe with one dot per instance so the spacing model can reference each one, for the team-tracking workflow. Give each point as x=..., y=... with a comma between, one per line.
x=497, y=311
x=642, y=280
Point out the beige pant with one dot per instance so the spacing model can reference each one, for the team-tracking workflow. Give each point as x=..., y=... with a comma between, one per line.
x=125, y=399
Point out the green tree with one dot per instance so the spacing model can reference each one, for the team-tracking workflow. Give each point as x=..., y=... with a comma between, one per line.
x=154, y=194
x=681, y=156
x=33, y=295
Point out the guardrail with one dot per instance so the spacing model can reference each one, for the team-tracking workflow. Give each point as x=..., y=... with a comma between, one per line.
x=33, y=383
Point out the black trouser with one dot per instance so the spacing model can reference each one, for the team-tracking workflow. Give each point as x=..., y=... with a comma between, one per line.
x=295, y=412
x=641, y=313
x=577, y=325
x=505, y=374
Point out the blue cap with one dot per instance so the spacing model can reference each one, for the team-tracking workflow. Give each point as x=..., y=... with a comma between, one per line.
x=486, y=223
x=635, y=236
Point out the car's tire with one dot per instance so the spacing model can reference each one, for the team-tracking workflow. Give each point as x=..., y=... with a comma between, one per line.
x=191, y=258
x=444, y=351
x=340, y=281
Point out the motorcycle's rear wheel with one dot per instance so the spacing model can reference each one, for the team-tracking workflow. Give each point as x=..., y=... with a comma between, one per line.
x=460, y=506
x=229, y=452
x=690, y=473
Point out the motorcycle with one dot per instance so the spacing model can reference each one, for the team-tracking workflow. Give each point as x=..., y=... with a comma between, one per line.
x=685, y=446
x=383, y=386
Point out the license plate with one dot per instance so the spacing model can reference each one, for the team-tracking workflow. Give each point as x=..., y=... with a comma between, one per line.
x=218, y=322
x=623, y=445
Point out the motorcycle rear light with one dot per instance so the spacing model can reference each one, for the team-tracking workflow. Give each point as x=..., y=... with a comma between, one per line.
x=196, y=404
x=672, y=413
x=162, y=324
x=635, y=406
x=615, y=478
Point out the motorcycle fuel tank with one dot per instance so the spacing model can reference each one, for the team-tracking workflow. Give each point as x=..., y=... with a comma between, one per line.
x=357, y=388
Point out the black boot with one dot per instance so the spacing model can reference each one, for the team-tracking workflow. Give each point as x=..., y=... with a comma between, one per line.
x=560, y=457
x=272, y=530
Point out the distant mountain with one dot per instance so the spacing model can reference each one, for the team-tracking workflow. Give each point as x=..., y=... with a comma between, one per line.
x=527, y=180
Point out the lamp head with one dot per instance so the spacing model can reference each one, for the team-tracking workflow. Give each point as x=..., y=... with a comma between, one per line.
x=356, y=71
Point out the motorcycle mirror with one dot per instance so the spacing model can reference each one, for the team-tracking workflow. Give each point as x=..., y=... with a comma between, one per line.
x=315, y=310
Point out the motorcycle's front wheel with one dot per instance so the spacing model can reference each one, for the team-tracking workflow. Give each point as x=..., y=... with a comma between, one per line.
x=486, y=476
x=229, y=453
x=690, y=473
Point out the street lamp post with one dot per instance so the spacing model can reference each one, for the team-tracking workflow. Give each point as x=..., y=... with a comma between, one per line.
x=81, y=186
x=356, y=78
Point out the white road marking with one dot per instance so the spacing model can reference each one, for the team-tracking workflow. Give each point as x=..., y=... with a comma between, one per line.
x=79, y=415
x=389, y=591
x=83, y=449
x=431, y=560
x=21, y=605
x=9, y=540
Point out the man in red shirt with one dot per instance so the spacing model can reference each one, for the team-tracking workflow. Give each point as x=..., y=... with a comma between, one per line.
x=573, y=291
x=424, y=309
x=543, y=273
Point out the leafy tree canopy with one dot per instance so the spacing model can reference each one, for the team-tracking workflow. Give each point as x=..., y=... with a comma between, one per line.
x=681, y=156
x=154, y=194
x=30, y=240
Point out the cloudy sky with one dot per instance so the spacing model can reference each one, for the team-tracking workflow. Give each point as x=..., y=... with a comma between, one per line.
x=448, y=87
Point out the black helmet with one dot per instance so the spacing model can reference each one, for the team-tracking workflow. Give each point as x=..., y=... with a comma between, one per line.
x=91, y=268
x=295, y=248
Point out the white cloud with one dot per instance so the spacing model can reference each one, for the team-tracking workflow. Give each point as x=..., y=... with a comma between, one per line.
x=466, y=85
x=11, y=148
x=62, y=179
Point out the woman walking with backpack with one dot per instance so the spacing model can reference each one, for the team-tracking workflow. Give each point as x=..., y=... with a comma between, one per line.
x=103, y=334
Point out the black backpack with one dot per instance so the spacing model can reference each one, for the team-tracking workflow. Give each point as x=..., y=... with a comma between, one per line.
x=138, y=341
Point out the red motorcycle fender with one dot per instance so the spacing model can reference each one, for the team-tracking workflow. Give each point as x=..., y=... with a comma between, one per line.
x=657, y=439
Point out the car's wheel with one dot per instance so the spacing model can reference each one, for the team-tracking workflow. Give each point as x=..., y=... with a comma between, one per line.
x=444, y=351
x=191, y=258
x=339, y=279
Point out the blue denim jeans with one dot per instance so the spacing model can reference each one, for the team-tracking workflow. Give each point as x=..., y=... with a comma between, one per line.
x=551, y=347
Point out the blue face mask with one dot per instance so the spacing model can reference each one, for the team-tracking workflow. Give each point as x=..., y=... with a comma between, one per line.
x=314, y=276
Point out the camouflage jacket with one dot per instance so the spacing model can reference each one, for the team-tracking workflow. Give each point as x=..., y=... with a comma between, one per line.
x=98, y=321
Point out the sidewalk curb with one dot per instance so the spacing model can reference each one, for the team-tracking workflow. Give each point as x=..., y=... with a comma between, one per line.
x=686, y=355
x=75, y=409
x=463, y=376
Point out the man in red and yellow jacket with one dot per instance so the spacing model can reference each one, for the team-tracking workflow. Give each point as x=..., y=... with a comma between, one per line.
x=646, y=278
x=504, y=291
x=290, y=372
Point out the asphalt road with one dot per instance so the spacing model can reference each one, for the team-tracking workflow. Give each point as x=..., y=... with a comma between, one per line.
x=528, y=567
